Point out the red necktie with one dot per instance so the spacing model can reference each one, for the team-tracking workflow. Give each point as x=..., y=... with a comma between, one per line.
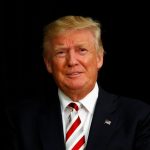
x=75, y=139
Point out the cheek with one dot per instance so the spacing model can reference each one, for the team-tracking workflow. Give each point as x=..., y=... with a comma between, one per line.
x=92, y=67
x=57, y=67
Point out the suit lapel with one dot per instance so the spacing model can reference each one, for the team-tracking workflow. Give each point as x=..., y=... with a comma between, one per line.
x=103, y=122
x=51, y=129
x=102, y=127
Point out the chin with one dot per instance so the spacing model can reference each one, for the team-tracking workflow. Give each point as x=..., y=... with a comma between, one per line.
x=75, y=86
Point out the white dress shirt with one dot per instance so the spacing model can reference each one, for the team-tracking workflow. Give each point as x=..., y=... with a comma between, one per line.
x=86, y=112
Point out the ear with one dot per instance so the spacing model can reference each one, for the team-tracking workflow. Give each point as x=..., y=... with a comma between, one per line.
x=100, y=56
x=48, y=65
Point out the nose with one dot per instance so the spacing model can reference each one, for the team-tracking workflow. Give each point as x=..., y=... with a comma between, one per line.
x=72, y=58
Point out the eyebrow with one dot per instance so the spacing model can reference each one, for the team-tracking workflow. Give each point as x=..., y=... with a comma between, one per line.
x=62, y=46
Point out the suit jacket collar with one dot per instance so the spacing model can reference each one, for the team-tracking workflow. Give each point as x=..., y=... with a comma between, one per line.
x=50, y=125
x=51, y=128
x=103, y=121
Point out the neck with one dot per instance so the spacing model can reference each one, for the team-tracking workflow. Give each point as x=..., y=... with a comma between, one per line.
x=76, y=95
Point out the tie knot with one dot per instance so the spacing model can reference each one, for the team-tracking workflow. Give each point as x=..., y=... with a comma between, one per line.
x=74, y=105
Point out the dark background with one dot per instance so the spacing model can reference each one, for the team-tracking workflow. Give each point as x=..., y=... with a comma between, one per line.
x=125, y=36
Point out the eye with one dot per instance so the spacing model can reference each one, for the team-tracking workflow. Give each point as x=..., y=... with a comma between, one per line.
x=83, y=51
x=60, y=53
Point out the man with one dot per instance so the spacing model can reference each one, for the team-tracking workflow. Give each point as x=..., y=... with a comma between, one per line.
x=81, y=115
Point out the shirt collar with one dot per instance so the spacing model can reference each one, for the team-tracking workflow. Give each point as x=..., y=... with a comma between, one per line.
x=86, y=101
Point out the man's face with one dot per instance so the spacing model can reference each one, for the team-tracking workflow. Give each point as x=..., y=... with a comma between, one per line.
x=74, y=61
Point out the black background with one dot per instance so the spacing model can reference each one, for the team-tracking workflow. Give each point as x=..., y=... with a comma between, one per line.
x=125, y=36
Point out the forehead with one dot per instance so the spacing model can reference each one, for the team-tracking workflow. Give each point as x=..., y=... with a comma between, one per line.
x=73, y=37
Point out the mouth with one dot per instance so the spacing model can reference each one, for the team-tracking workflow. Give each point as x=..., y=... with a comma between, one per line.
x=74, y=74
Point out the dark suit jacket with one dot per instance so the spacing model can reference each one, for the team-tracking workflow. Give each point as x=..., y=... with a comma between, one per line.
x=37, y=125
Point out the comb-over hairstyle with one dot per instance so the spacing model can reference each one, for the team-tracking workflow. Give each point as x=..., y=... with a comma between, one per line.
x=66, y=23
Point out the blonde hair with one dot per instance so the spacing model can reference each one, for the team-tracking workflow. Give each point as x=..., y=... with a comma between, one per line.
x=72, y=23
